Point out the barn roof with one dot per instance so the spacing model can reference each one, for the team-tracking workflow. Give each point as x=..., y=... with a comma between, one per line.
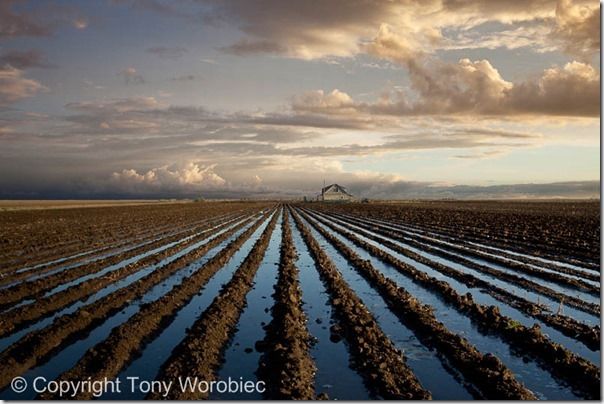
x=335, y=188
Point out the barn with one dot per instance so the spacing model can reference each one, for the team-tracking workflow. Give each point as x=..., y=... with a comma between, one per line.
x=335, y=192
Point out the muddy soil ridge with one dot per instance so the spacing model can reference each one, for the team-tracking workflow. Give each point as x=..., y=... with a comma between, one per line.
x=37, y=345
x=21, y=317
x=286, y=364
x=565, y=231
x=37, y=287
x=382, y=366
x=492, y=378
x=110, y=356
x=588, y=335
x=201, y=353
x=508, y=277
x=110, y=249
x=34, y=237
x=581, y=374
x=73, y=282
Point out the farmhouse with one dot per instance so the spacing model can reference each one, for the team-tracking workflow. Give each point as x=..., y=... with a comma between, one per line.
x=335, y=192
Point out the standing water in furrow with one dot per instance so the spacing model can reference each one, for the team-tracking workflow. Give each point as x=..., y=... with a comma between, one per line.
x=539, y=262
x=241, y=358
x=478, y=295
x=536, y=379
x=67, y=357
x=442, y=245
x=6, y=341
x=111, y=268
x=442, y=233
x=531, y=295
x=154, y=354
x=334, y=375
x=113, y=252
x=424, y=362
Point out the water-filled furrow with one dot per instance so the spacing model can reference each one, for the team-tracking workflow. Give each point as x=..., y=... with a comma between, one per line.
x=530, y=295
x=568, y=290
x=117, y=245
x=115, y=251
x=6, y=341
x=526, y=370
x=70, y=257
x=334, y=375
x=157, y=352
x=425, y=363
x=478, y=295
x=120, y=264
x=241, y=358
x=447, y=231
x=519, y=261
x=68, y=357
x=574, y=265
x=577, y=268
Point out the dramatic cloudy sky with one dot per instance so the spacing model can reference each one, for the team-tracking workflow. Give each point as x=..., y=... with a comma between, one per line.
x=229, y=98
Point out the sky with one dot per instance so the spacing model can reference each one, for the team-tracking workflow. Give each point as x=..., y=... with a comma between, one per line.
x=267, y=98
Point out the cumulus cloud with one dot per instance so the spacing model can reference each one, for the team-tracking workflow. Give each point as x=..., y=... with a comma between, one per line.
x=578, y=27
x=471, y=88
x=14, y=86
x=80, y=23
x=131, y=76
x=335, y=102
x=309, y=30
x=166, y=52
x=190, y=177
x=571, y=90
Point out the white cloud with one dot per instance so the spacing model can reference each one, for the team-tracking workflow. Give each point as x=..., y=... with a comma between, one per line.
x=14, y=86
x=190, y=177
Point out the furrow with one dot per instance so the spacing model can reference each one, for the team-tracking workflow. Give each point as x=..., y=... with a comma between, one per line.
x=35, y=346
x=590, y=336
x=60, y=281
x=20, y=317
x=200, y=353
x=536, y=261
x=46, y=270
x=286, y=364
x=382, y=365
x=485, y=372
x=105, y=360
x=576, y=371
x=514, y=266
x=510, y=278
